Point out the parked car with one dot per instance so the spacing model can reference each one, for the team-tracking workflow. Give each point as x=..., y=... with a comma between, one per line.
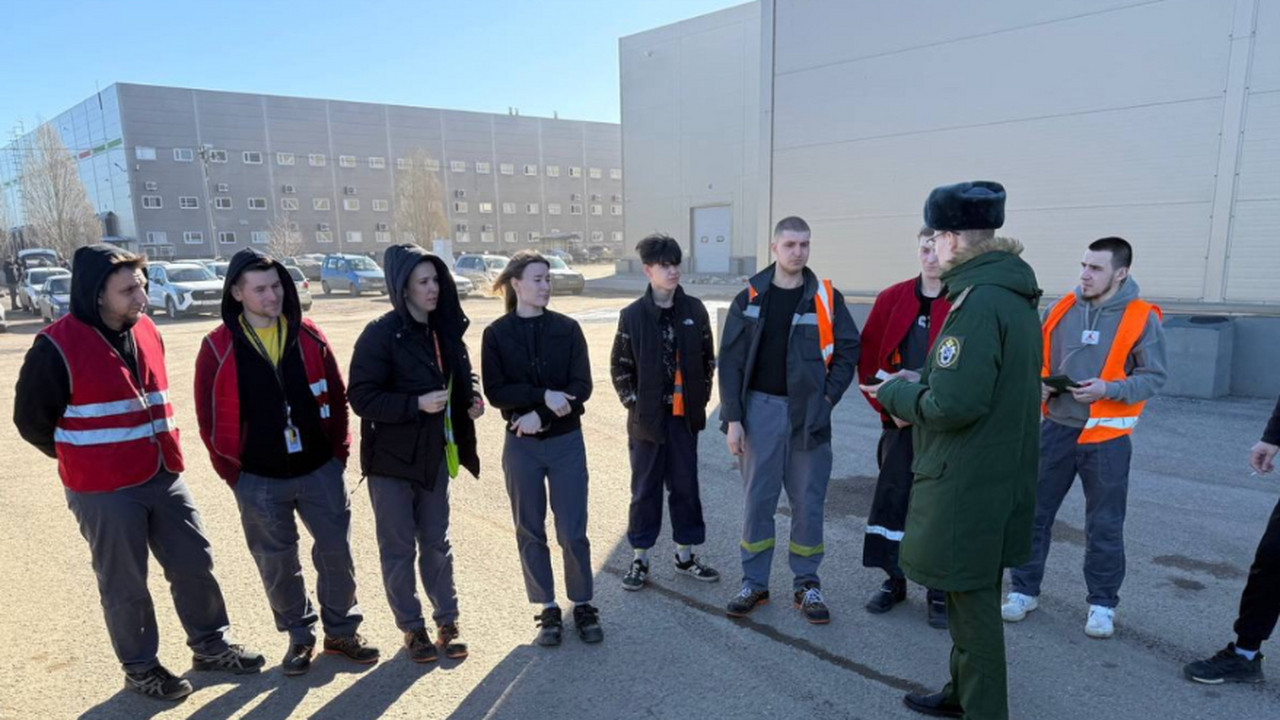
x=465, y=286
x=565, y=278
x=481, y=270
x=4, y=322
x=564, y=255
x=31, y=258
x=32, y=281
x=182, y=288
x=304, y=287
x=310, y=267
x=54, y=298
x=353, y=273
x=218, y=268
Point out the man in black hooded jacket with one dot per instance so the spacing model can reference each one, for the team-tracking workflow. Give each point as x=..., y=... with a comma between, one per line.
x=413, y=387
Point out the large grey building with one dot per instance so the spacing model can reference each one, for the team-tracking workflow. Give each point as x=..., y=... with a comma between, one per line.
x=198, y=173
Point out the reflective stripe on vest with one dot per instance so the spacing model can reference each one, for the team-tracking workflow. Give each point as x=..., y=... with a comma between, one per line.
x=119, y=407
x=1108, y=419
x=319, y=388
x=107, y=436
x=824, y=316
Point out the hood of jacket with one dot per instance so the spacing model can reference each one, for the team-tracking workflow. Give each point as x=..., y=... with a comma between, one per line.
x=999, y=263
x=90, y=267
x=1128, y=291
x=232, y=309
x=398, y=263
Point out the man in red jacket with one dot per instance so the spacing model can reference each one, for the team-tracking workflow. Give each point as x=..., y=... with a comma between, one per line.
x=899, y=332
x=272, y=409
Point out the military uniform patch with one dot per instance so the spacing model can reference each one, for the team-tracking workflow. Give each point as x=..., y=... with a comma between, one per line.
x=948, y=352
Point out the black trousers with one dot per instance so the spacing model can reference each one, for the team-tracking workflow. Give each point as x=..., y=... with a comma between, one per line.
x=673, y=466
x=888, y=514
x=1260, y=602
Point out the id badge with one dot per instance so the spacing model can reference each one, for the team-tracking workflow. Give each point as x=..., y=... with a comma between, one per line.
x=1090, y=337
x=292, y=440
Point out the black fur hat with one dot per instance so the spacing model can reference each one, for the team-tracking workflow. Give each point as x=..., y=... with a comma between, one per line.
x=977, y=205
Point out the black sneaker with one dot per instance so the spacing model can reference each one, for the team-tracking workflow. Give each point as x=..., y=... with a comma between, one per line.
x=298, y=660
x=696, y=570
x=419, y=645
x=353, y=647
x=157, y=683
x=935, y=705
x=890, y=593
x=1228, y=666
x=938, y=610
x=809, y=602
x=746, y=601
x=551, y=627
x=448, y=643
x=235, y=660
x=587, y=619
x=635, y=577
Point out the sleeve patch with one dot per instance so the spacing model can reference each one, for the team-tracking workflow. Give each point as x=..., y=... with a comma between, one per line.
x=947, y=354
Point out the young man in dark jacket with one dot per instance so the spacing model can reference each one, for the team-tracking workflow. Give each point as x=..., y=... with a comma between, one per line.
x=412, y=386
x=272, y=409
x=662, y=365
x=93, y=392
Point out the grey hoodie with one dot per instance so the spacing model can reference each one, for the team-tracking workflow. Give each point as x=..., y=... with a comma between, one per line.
x=1071, y=357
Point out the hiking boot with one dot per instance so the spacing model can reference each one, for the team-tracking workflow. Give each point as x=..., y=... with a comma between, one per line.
x=353, y=647
x=935, y=705
x=937, y=609
x=235, y=660
x=696, y=570
x=550, y=625
x=635, y=577
x=297, y=661
x=890, y=593
x=419, y=645
x=587, y=619
x=157, y=683
x=1228, y=666
x=809, y=602
x=746, y=601
x=447, y=641
x=1016, y=606
x=1101, y=623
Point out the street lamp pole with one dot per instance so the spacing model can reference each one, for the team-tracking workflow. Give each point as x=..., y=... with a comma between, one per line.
x=208, y=206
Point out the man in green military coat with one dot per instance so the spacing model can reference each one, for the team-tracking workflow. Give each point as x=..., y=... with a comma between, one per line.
x=976, y=410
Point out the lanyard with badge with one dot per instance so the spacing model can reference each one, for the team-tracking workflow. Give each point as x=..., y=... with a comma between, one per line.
x=292, y=438
x=452, y=459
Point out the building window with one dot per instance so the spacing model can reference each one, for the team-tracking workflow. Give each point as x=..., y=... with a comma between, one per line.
x=222, y=202
x=486, y=237
x=217, y=156
x=324, y=236
x=320, y=203
x=433, y=165
x=403, y=163
x=617, y=236
x=553, y=208
x=483, y=168
x=486, y=208
x=594, y=173
x=157, y=238
x=460, y=207
x=347, y=161
x=457, y=166
x=142, y=152
x=317, y=161
x=510, y=236
x=377, y=163
x=350, y=204
x=615, y=209
x=152, y=202
x=258, y=203
x=259, y=237
x=553, y=171
x=575, y=209
x=615, y=173
x=355, y=236
x=193, y=237
x=381, y=206
x=508, y=208
x=189, y=202
x=252, y=157
x=382, y=236
x=575, y=172
x=534, y=236
x=284, y=158
x=531, y=170
x=597, y=236
x=507, y=169
x=289, y=203
x=183, y=155
x=226, y=237
x=597, y=209
x=532, y=209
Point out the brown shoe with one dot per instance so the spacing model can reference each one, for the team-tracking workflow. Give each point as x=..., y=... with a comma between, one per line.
x=419, y=645
x=447, y=641
x=353, y=647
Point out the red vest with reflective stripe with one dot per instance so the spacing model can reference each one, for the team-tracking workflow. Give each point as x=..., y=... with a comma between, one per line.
x=114, y=433
x=1108, y=419
x=824, y=308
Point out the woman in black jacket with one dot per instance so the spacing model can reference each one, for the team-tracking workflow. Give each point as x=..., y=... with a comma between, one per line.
x=536, y=370
x=412, y=385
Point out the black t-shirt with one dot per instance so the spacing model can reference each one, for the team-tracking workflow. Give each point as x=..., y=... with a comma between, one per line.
x=770, y=373
x=915, y=346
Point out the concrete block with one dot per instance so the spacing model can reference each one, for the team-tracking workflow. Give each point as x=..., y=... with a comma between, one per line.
x=1255, y=366
x=1200, y=350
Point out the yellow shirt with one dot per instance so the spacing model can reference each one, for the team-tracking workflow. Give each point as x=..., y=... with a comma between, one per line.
x=273, y=344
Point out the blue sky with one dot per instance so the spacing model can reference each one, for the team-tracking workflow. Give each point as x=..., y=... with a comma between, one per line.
x=485, y=55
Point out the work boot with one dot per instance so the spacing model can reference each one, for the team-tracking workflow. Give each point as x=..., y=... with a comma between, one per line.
x=809, y=602
x=890, y=593
x=297, y=661
x=353, y=647
x=419, y=645
x=746, y=601
x=157, y=683
x=447, y=641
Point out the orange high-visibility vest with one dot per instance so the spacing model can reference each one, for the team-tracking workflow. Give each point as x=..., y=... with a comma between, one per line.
x=677, y=395
x=1108, y=419
x=824, y=307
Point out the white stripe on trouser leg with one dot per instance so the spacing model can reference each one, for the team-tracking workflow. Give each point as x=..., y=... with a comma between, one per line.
x=894, y=535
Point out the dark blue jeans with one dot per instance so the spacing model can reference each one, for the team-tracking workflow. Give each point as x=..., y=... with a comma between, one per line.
x=1104, y=474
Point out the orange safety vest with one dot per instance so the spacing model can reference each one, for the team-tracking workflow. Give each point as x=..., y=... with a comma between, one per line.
x=1108, y=419
x=677, y=396
x=824, y=305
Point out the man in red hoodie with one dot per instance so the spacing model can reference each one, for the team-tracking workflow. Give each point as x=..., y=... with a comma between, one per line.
x=272, y=409
x=899, y=332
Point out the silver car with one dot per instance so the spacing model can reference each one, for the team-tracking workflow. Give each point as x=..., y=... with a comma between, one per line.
x=304, y=287
x=32, y=281
x=481, y=270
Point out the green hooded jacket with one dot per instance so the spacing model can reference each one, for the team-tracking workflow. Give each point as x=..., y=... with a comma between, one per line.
x=976, y=412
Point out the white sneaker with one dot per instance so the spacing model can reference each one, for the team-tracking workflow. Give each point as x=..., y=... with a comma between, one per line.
x=1101, y=622
x=1016, y=607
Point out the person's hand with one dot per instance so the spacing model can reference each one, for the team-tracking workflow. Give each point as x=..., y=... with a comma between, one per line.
x=1090, y=391
x=527, y=424
x=1262, y=457
x=871, y=390
x=1045, y=392
x=433, y=402
x=736, y=439
x=477, y=408
x=559, y=402
x=908, y=375
x=900, y=422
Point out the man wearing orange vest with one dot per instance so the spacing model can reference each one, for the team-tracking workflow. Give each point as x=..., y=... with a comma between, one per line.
x=662, y=365
x=789, y=353
x=93, y=393
x=1110, y=344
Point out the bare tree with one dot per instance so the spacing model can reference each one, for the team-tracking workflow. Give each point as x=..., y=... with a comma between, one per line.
x=56, y=207
x=420, y=201
x=6, y=222
x=283, y=238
